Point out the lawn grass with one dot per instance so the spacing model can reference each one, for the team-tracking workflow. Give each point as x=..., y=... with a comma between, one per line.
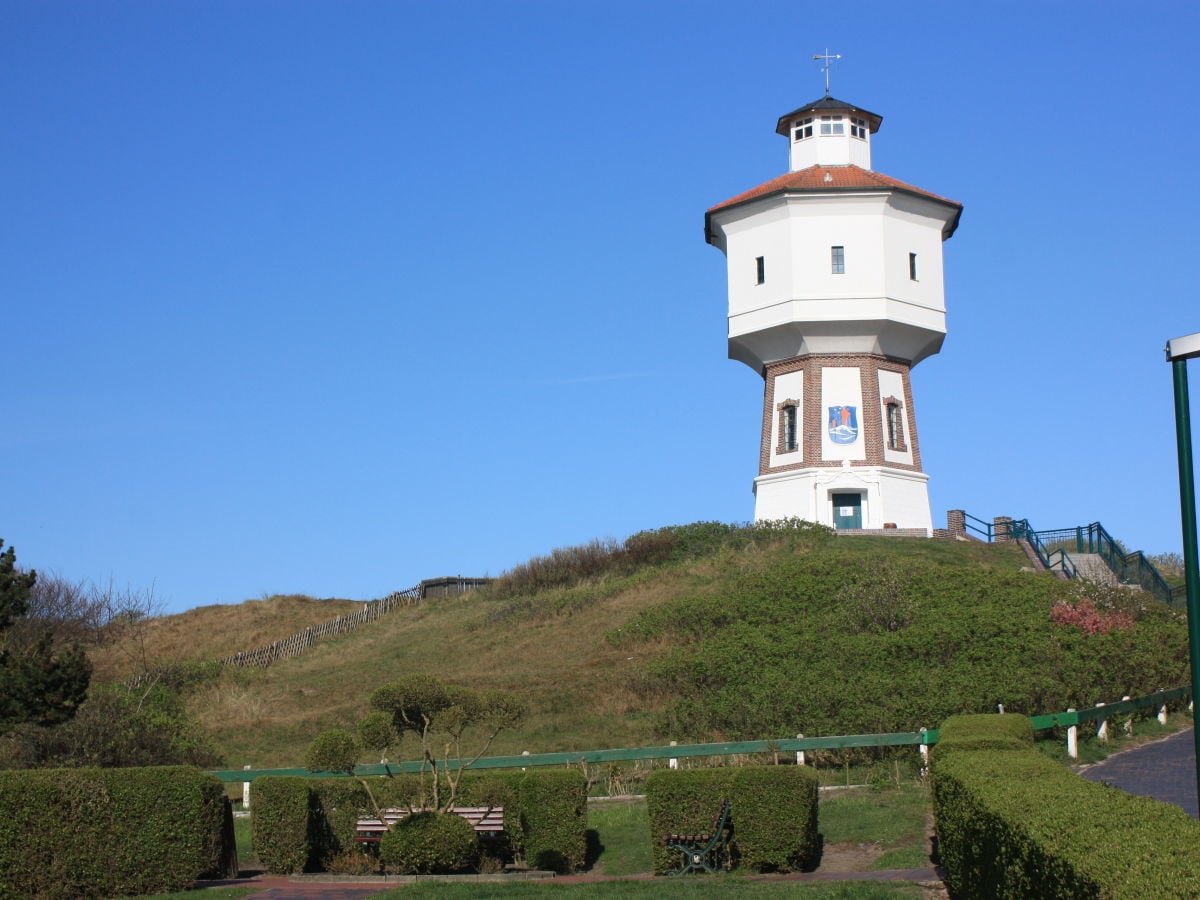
x=623, y=837
x=893, y=821
x=243, y=835
x=699, y=886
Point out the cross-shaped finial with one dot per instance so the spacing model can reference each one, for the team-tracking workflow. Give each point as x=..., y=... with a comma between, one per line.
x=829, y=58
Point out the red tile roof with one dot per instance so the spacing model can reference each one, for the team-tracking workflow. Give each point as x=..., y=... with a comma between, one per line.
x=833, y=179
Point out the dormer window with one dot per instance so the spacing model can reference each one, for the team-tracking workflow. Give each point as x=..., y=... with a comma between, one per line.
x=832, y=125
x=803, y=128
x=858, y=128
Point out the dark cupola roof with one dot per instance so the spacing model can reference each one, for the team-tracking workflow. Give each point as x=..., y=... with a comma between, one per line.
x=826, y=104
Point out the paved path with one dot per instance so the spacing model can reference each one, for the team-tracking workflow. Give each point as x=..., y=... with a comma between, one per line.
x=1164, y=770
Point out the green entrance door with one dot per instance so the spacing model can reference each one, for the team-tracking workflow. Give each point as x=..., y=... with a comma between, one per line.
x=847, y=510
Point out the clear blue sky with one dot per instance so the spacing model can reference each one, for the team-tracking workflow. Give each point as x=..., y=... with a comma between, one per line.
x=333, y=297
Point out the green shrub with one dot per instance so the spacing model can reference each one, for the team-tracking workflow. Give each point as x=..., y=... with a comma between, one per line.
x=775, y=808
x=428, y=843
x=1013, y=823
x=284, y=840
x=551, y=813
x=774, y=813
x=808, y=642
x=985, y=731
x=337, y=804
x=79, y=833
x=309, y=821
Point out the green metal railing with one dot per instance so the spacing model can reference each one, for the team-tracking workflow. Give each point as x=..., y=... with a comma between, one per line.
x=1109, y=710
x=923, y=738
x=1053, y=548
x=579, y=757
x=1055, y=560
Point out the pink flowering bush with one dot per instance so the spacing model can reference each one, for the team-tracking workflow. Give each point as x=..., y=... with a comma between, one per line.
x=1089, y=618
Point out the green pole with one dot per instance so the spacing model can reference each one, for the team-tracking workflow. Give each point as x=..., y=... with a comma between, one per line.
x=1187, y=508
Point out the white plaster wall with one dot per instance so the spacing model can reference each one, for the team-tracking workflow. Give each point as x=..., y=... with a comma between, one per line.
x=803, y=307
x=789, y=495
x=905, y=499
x=911, y=225
x=829, y=149
x=763, y=233
x=788, y=386
x=889, y=495
x=841, y=386
x=891, y=384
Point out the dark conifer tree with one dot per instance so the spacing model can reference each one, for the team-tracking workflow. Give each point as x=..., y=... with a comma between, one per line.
x=42, y=684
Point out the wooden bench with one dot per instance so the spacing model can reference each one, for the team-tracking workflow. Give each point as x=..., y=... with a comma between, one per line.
x=488, y=822
x=702, y=852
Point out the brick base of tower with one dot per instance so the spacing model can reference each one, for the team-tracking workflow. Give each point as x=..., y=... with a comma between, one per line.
x=839, y=443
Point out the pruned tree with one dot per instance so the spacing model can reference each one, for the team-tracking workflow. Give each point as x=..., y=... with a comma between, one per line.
x=336, y=750
x=443, y=717
x=40, y=682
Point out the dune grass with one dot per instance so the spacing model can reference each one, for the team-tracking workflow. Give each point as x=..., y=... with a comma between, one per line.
x=555, y=649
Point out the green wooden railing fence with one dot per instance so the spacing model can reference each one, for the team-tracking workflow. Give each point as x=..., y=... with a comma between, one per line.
x=922, y=738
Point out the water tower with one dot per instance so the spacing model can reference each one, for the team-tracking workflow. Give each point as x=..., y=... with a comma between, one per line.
x=835, y=293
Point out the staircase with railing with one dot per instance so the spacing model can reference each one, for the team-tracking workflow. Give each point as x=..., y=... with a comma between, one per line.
x=1053, y=549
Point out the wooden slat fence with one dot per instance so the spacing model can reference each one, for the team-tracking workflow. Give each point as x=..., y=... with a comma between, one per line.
x=298, y=643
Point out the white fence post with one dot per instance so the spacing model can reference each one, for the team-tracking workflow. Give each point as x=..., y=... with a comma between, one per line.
x=799, y=753
x=245, y=790
x=1128, y=726
x=673, y=763
x=1102, y=729
x=1072, y=738
x=924, y=749
x=1000, y=707
x=1162, y=714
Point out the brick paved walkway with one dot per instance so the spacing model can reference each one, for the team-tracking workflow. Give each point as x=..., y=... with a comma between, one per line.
x=1165, y=770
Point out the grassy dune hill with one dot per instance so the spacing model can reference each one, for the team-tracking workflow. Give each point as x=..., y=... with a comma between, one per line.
x=214, y=632
x=705, y=633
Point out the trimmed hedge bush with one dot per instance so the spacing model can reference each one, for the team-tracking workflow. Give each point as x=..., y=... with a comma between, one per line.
x=303, y=822
x=280, y=823
x=1014, y=823
x=985, y=732
x=429, y=843
x=77, y=833
x=773, y=811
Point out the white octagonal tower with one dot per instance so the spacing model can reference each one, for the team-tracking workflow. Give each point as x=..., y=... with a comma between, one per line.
x=835, y=293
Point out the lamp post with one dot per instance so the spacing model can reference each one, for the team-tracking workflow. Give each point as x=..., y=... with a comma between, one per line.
x=1179, y=351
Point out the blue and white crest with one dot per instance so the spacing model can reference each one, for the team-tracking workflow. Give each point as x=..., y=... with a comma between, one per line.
x=843, y=424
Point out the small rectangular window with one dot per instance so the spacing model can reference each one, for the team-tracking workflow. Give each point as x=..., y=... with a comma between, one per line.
x=912, y=266
x=832, y=125
x=789, y=428
x=760, y=270
x=858, y=128
x=837, y=257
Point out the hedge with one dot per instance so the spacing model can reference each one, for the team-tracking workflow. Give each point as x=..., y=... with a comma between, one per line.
x=985, y=732
x=1014, y=823
x=78, y=833
x=300, y=823
x=285, y=834
x=773, y=811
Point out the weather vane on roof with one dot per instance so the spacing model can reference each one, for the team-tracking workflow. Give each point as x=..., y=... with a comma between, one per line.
x=829, y=58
